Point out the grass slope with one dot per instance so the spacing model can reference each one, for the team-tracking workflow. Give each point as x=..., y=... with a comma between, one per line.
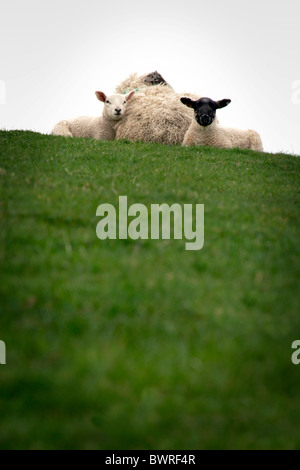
x=140, y=344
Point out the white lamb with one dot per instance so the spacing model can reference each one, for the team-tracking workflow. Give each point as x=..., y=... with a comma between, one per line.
x=101, y=127
x=204, y=130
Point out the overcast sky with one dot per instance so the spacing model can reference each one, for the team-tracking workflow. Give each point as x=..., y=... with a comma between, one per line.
x=54, y=54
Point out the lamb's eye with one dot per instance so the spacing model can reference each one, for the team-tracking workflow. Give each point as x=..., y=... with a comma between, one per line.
x=124, y=102
x=108, y=102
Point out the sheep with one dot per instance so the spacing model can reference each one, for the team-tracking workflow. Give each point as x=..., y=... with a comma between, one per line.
x=154, y=78
x=138, y=83
x=204, y=130
x=101, y=127
x=155, y=114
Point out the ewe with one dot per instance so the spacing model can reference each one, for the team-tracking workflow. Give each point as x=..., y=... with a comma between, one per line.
x=101, y=127
x=204, y=130
x=155, y=114
x=139, y=82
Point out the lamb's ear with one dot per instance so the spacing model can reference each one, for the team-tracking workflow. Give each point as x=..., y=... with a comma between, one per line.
x=222, y=103
x=101, y=96
x=129, y=95
x=188, y=102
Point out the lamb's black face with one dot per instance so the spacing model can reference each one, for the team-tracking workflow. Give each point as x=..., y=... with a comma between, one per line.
x=205, y=109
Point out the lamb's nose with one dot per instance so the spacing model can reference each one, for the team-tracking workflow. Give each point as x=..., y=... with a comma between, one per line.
x=118, y=110
x=205, y=120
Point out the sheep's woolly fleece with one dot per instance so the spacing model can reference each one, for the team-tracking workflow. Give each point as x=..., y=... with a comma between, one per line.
x=154, y=114
x=222, y=137
x=84, y=126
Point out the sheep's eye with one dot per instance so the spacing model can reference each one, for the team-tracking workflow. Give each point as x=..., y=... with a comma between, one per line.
x=108, y=102
x=124, y=102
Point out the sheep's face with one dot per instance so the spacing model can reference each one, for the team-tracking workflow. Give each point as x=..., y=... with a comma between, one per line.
x=205, y=109
x=114, y=105
x=153, y=78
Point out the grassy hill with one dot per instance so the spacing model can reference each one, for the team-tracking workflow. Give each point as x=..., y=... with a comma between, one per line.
x=123, y=344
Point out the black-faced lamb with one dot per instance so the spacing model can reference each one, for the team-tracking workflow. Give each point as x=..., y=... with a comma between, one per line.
x=204, y=130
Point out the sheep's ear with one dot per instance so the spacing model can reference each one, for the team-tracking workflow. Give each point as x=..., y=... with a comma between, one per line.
x=101, y=96
x=129, y=95
x=222, y=103
x=188, y=102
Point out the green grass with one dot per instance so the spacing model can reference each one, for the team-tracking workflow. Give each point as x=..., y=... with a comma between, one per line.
x=123, y=344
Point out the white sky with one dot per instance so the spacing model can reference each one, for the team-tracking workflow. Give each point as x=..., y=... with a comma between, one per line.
x=55, y=53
